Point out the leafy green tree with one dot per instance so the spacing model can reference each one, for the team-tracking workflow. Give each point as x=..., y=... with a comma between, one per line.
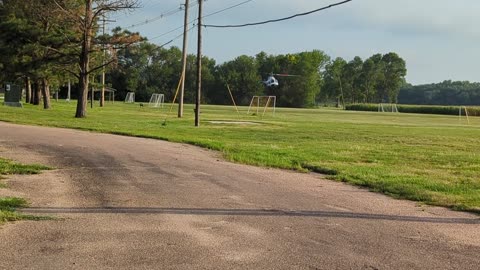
x=368, y=79
x=395, y=72
x=241, y=75
x=84, y=17
x=333, y=78
x=352, y=80
x=130, y=72
x=145, y=68
x=299, y=91
x=32, y=43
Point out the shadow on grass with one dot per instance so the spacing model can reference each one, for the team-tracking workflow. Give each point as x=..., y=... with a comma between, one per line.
x=245, y=212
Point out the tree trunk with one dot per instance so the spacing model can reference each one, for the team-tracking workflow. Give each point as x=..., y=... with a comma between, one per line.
x=46, y=94
x=69, y=90
x=32, y=97
x=85, y=62
x=82, y=97
x=28, y=90
x=36, y=93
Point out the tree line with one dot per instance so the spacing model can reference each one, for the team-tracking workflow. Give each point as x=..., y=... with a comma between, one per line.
x=49, y=42
x=377, y=79
x=445, y=93
x=147, y=68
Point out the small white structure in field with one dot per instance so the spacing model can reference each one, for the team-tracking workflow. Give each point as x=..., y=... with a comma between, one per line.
x=384, y=107
x=130, y=98
x=262, y=102
x=157, y=101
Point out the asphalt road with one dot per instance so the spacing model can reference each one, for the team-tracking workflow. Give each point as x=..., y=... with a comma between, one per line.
x=132, y=203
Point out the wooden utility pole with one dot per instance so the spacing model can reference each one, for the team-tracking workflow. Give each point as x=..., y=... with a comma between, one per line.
x=199, y=65
x=93, y=91
x=184, y=61
x=102, y=93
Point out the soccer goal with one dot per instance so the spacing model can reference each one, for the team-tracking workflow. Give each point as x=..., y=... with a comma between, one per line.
x=157, y=101
x=463, y=111
x=262, y=104
x=130, y=98
x=387, y=107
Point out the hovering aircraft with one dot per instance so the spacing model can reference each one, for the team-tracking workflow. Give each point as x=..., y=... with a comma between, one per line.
x=272, y=81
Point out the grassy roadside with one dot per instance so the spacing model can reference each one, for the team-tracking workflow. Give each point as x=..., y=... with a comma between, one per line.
x=7, y=209
x=433, y=159
x=8, y=205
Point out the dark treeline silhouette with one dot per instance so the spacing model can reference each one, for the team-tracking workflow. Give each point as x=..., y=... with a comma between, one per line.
x=444, y=93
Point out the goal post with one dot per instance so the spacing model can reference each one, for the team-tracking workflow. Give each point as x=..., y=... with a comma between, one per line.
x=463, y=111
x=130, y=98
x=262, y=104
x=157, y=101
x=387, y=107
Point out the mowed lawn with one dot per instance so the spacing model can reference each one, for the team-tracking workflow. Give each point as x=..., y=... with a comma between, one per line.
x=428, y=158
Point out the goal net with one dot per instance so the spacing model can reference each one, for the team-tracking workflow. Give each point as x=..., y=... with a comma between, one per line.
x=157, y=101
x=387, y=107
x=261, y=104
x=130, y=98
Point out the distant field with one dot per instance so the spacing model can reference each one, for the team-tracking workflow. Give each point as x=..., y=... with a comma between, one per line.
x=428, y=158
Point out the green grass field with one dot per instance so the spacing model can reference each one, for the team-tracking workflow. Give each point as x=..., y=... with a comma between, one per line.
x=427, y=158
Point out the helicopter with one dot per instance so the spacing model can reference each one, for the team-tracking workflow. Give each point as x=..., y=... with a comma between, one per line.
x=272, y=81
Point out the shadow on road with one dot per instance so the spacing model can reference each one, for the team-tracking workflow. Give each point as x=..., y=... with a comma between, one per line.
x=244, y=212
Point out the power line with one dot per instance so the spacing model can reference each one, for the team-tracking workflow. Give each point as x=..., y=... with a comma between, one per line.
x=208, y=15
x=228, y=8
x=278, y=20
x=177, y=37
x=173, y=30
x=161, y=16
x=154, y=19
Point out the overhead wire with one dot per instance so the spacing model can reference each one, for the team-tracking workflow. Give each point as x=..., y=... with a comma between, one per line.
x=225, y=9
x=156, y=18
x=177, y=37
x=208, y=15
x=278, y=20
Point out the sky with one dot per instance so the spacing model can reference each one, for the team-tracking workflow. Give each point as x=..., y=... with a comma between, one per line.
x=439, y=39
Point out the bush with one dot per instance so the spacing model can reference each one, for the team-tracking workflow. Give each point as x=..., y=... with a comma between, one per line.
x=422, y=109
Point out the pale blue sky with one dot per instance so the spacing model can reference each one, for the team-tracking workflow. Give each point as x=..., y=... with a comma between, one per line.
x=439, y=39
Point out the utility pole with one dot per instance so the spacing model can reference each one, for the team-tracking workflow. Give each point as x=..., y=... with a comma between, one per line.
x=199, y=65
x=93, y=91
x=184, y=61
x=102, y=93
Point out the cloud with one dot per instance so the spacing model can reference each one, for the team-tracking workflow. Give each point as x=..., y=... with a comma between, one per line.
x=425, y=17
